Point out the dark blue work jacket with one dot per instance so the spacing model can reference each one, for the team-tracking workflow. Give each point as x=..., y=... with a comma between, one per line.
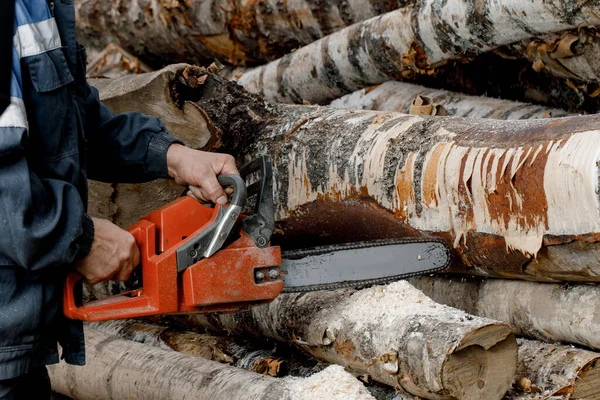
x=55, y=135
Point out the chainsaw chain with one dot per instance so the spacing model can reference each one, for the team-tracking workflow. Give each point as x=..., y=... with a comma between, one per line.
x=315, y=251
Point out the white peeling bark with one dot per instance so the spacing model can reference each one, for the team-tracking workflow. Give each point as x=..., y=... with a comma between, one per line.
x=544, y=311
x=398, y=96
x=121, y=369
x=413, y=39
x=393, y=333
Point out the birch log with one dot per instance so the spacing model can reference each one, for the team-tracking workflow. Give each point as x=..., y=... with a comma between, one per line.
x=122, y=369
x=393, y=333
x=198, y=31
x=411, y=40
x=499, y=192
x=554, y=370
x=398, y=96
x=548, y=312
x=269, y=360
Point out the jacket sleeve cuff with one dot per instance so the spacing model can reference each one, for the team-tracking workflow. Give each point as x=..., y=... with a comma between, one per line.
x=86, y=238
x=156, y=158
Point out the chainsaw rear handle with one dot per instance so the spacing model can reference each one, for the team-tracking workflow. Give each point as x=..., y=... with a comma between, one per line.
x=143, y=243
x=143, y=233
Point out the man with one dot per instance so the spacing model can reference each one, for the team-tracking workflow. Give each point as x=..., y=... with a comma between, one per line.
x=53, y=136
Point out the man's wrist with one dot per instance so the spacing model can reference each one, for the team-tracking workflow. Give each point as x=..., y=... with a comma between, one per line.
x=175, y=154
x=87, y=237
x=156, y=158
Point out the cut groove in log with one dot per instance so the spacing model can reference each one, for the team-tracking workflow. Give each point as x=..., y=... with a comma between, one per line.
x=555, y=370
x=393, y=333
x=548, y=312
x=345, y=175
x=273, y=361
x=194, y=344
x=198, y=31
x=398, y=96
x=122, y=369
x=411, y=40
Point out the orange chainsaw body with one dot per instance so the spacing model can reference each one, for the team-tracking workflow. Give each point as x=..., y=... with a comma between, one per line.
x=224, y=281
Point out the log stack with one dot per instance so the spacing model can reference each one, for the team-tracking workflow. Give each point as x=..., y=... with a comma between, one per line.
x=510, y=184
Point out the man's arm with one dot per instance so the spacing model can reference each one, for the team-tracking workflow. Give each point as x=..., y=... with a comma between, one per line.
x=132, y=147
x=129, y=147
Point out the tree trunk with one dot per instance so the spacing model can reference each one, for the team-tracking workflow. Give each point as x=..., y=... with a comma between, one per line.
x=571, y=54
x=242, y=354
x=548, y=312
x=122, y=369
x=553, y=370
x=344, y=175
x=393, y=333
x=407, y=41
x=398, y=97
x=198, y=31
x=114, y=62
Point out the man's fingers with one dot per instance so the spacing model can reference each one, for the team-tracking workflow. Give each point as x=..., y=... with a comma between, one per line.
x=199, y=194
x=124, y=273
x=213, y=189
x=229, y=165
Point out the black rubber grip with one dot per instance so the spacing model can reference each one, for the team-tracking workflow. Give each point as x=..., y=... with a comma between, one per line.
x=239, y=188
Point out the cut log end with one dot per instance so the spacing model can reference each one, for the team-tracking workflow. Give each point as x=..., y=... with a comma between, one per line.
x=587, y=386
x=479, y=368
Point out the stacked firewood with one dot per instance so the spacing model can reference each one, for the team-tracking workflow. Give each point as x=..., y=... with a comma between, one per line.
x=511, y=185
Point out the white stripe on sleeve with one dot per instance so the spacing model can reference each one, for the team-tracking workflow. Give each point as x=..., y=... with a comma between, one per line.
x=37, y=38
x=15, y=115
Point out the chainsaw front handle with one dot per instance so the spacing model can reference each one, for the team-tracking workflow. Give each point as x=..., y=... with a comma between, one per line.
x=238, y=198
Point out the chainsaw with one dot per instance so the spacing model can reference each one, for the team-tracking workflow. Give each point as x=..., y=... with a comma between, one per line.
x=201, y=259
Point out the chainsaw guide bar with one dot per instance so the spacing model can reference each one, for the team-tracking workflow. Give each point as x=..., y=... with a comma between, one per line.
x=361, y=264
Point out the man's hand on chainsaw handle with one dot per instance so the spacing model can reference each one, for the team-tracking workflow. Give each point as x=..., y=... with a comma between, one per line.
x=199, y=170
x=113, y=256
x=114, y=253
